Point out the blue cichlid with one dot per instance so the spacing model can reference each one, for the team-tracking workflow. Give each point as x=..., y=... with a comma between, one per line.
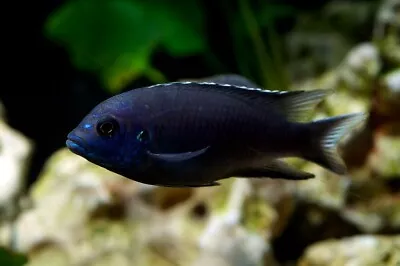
x=192, y=134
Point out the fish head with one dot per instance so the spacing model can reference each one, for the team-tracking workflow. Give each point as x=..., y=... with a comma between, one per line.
x=109, y=137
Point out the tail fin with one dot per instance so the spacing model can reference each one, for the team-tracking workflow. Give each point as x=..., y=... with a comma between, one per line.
x=326, y=133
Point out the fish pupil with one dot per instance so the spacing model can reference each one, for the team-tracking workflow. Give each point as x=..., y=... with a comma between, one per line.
x=107, y=127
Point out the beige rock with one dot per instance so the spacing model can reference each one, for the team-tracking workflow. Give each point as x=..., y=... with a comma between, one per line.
x=15, y=154
x=376, y=214
x=388, y=102
x=366, y=250
x=326, y=189
x=386, y=30
x=385, y=158
x=361, y=65
x=86, y=215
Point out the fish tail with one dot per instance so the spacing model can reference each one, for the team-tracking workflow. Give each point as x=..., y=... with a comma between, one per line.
x=325, y=135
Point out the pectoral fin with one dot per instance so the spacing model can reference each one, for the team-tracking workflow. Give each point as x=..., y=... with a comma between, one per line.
x=177, y=157
x=275, y=169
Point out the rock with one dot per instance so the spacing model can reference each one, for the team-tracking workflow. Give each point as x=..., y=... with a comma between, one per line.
x=236, y=247
x=50, y=255
x=392, y=82
x=326, y=189
x=360, y=67
x=270, y=206
x=232, y=234
x=342, y=17
x=15, y=154
x=2, y=114
x=351, y=81
x=366, y=250
x=312, y=53
x=387, y=104
x=86, y=215
x=388, y=13
x=376, y=214
x=386, y=31
x=67, y=193
x=384, y=160
x=315, y=48
x=352, y=76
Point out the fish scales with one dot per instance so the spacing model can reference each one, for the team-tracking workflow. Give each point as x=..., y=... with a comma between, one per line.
x=227, y=115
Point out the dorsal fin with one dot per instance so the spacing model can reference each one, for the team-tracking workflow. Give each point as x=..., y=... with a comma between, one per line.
x=297, y=105
x=231, y=79
x=294, y=105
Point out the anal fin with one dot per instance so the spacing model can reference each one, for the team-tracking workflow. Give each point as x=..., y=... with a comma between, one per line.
x=213, y=184
x=275, y=169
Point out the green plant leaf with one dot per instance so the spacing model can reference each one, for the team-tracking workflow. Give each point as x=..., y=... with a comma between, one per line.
x=116, y=38
x=269, y=12
x=11, y=259
x=183, y=21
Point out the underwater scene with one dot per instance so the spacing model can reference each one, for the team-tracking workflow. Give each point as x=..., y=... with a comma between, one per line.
x=192, y=133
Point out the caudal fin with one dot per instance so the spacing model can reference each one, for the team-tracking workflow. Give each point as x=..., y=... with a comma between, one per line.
x=326, y=134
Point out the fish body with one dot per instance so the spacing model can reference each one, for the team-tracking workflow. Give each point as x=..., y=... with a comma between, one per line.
x=196, y=133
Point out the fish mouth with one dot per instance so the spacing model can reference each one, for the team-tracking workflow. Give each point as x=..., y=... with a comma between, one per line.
x=75, y=144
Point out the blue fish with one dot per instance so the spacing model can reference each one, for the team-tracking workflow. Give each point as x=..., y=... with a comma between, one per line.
x=194, y=133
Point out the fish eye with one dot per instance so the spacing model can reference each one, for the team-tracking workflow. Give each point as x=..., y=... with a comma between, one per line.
x=143, y=136
x=107, y=127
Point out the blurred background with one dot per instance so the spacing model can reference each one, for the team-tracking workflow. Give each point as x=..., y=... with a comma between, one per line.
x=64, y=57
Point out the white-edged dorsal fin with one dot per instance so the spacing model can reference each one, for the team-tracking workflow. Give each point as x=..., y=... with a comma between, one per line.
x=294, y=105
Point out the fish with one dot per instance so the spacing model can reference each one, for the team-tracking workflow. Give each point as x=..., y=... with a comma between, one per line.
x=196, y=133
